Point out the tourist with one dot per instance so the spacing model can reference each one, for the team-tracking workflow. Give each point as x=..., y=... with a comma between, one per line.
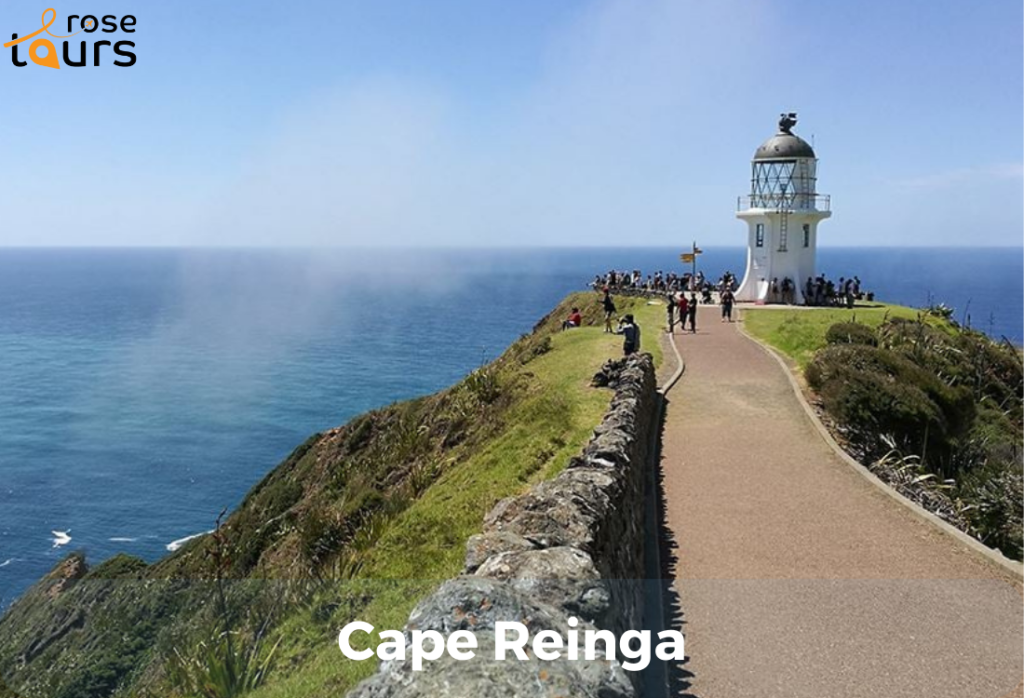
x=574, y=320
x=705, y=294
x=630, y=332
x=818, y=290
x=609, y=310
x=727, y=299
x=788, y=291
x=691, y=312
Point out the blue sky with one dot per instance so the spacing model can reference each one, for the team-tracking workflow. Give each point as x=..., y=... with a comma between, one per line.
x=512, y=122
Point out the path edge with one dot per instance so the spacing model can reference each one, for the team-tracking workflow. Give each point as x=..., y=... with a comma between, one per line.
x=1014, y=568
x=680, y=364
x=656, y=681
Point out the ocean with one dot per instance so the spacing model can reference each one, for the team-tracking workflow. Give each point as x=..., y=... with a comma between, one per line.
x=143, y=391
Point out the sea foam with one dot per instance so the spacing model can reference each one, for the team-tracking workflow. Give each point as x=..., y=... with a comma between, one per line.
x=175, y=544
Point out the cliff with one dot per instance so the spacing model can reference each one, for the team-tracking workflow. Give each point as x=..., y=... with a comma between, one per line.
x=362, y=521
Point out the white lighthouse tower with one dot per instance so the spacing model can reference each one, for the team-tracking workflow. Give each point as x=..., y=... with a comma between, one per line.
x=782, y=213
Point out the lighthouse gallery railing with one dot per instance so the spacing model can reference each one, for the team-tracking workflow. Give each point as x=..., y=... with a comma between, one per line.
x=788, y=202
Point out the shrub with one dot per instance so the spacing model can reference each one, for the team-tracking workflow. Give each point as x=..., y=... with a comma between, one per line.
x=320, y=535
x=484, y=384
x=120, y=566
x=851, y=333
x=995, y=493
x=530, y=347
x=229, y=666
x=871, y=392
x=954, y=399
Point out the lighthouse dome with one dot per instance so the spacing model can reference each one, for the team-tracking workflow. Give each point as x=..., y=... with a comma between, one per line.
x=785, y=145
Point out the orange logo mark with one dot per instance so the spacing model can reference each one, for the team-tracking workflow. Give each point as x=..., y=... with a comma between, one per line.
x=42, y=51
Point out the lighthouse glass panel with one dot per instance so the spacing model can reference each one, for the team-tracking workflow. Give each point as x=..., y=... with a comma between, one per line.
x=785, y=184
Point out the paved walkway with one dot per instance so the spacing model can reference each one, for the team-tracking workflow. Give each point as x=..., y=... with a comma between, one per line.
x=798, y=578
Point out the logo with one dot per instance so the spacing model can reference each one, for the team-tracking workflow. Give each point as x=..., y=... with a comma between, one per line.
x=43, y=52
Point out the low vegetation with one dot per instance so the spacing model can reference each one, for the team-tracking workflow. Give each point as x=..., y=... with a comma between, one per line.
x=361, y=521
x=800, y=332
x=934, y=409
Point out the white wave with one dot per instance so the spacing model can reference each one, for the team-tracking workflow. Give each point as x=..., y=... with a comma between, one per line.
x=122, y=540
x=7, y=562
x=175, y=544
x=61, y=538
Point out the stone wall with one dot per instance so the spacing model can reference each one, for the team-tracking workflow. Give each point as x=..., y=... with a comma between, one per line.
x=569, y=547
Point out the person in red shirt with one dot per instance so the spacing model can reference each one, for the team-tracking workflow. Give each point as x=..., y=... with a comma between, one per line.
x=574, y=320
x=684, y=306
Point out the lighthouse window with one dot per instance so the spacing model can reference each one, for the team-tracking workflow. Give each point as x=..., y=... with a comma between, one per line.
x=759, y=235
x=783, y=235
x=807, y=235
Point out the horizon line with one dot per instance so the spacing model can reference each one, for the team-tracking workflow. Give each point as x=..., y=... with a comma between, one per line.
x=456, y=248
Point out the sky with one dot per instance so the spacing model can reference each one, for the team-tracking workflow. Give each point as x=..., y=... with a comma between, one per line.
x=480, y=123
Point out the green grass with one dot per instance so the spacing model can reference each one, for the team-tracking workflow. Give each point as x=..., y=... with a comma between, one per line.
x=798, y=333
x=553, y=416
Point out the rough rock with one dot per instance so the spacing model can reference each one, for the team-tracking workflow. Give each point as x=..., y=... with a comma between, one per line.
x=484, y=545
x=563, y=576
x=483, y=677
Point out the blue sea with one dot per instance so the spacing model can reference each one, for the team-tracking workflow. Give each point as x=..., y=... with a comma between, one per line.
x=143, y=391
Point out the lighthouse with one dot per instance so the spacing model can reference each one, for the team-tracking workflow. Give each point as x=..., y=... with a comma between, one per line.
x=782, y=213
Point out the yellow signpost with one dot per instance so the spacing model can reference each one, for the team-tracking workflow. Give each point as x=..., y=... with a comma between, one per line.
x=691, y=257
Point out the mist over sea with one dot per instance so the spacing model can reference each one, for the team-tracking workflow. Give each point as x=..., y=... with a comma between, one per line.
x=142, y=391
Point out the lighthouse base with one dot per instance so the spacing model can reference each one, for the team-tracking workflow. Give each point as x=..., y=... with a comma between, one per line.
x=781, y=253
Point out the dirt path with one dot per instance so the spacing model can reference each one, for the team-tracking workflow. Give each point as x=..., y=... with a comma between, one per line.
x=798, y=578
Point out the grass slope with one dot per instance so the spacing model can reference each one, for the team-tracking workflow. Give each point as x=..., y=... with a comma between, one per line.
x=425, y=545
x=800, y=332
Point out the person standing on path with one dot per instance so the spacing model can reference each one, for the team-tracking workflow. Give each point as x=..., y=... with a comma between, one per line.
x=683, y=309
x=727, y=299
x=630, y=332
x=691, y=312
x=670, y=309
